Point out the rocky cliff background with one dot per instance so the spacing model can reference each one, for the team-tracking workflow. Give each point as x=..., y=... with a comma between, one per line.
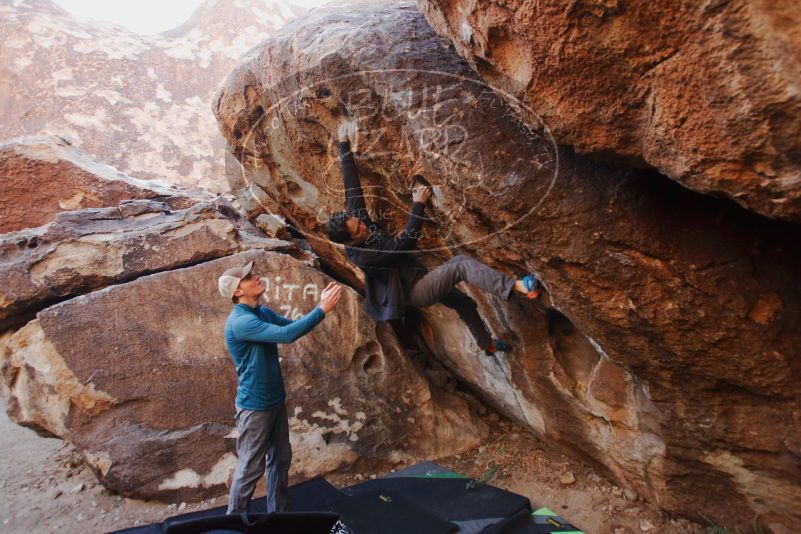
x=137, y=102
x=642, y=160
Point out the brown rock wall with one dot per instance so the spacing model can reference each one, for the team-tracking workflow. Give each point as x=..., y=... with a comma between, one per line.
x=705, y=92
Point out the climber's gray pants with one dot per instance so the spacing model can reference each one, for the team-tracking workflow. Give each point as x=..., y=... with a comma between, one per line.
x=438, y=285
x=263, y=442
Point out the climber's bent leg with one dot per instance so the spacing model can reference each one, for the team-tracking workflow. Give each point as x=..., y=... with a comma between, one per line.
x=437, y=283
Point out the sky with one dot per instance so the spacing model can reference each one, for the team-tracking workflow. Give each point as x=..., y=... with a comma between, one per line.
x=145, y=16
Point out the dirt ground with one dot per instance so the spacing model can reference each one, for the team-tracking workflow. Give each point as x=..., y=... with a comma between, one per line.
x=45, y=487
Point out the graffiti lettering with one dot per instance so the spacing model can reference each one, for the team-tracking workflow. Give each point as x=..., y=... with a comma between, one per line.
x=289, y=299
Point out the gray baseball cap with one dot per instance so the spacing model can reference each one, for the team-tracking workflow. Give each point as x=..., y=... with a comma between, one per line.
x=229, y=280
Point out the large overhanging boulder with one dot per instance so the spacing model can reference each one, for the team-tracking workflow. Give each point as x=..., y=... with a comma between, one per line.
x=706, y=92
x=138, y=378
x=672, y=343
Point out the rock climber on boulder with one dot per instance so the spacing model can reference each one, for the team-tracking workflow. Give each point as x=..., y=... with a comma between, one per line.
x=394, y=278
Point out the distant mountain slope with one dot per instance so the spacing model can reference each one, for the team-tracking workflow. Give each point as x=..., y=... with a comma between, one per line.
x=138, y=102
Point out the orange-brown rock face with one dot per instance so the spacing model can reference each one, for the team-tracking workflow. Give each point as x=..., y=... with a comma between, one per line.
x=669, y=352
x=705, y=92
x=138, y=102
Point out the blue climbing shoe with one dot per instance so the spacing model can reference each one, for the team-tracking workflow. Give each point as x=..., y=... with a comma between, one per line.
x=532, y=285
x=496, y=345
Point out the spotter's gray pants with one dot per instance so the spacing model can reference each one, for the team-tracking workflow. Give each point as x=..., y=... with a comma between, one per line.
x=438, y=285
x=263, y=444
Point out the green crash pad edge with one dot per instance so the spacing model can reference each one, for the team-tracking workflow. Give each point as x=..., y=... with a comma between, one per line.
x=548, y=512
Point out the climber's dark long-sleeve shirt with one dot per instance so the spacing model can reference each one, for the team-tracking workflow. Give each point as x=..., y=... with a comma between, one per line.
x=381, y=256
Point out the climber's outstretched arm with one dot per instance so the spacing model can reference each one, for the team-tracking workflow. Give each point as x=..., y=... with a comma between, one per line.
x=354, y=196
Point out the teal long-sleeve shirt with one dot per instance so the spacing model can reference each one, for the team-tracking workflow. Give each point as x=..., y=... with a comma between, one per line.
x=252, y=335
